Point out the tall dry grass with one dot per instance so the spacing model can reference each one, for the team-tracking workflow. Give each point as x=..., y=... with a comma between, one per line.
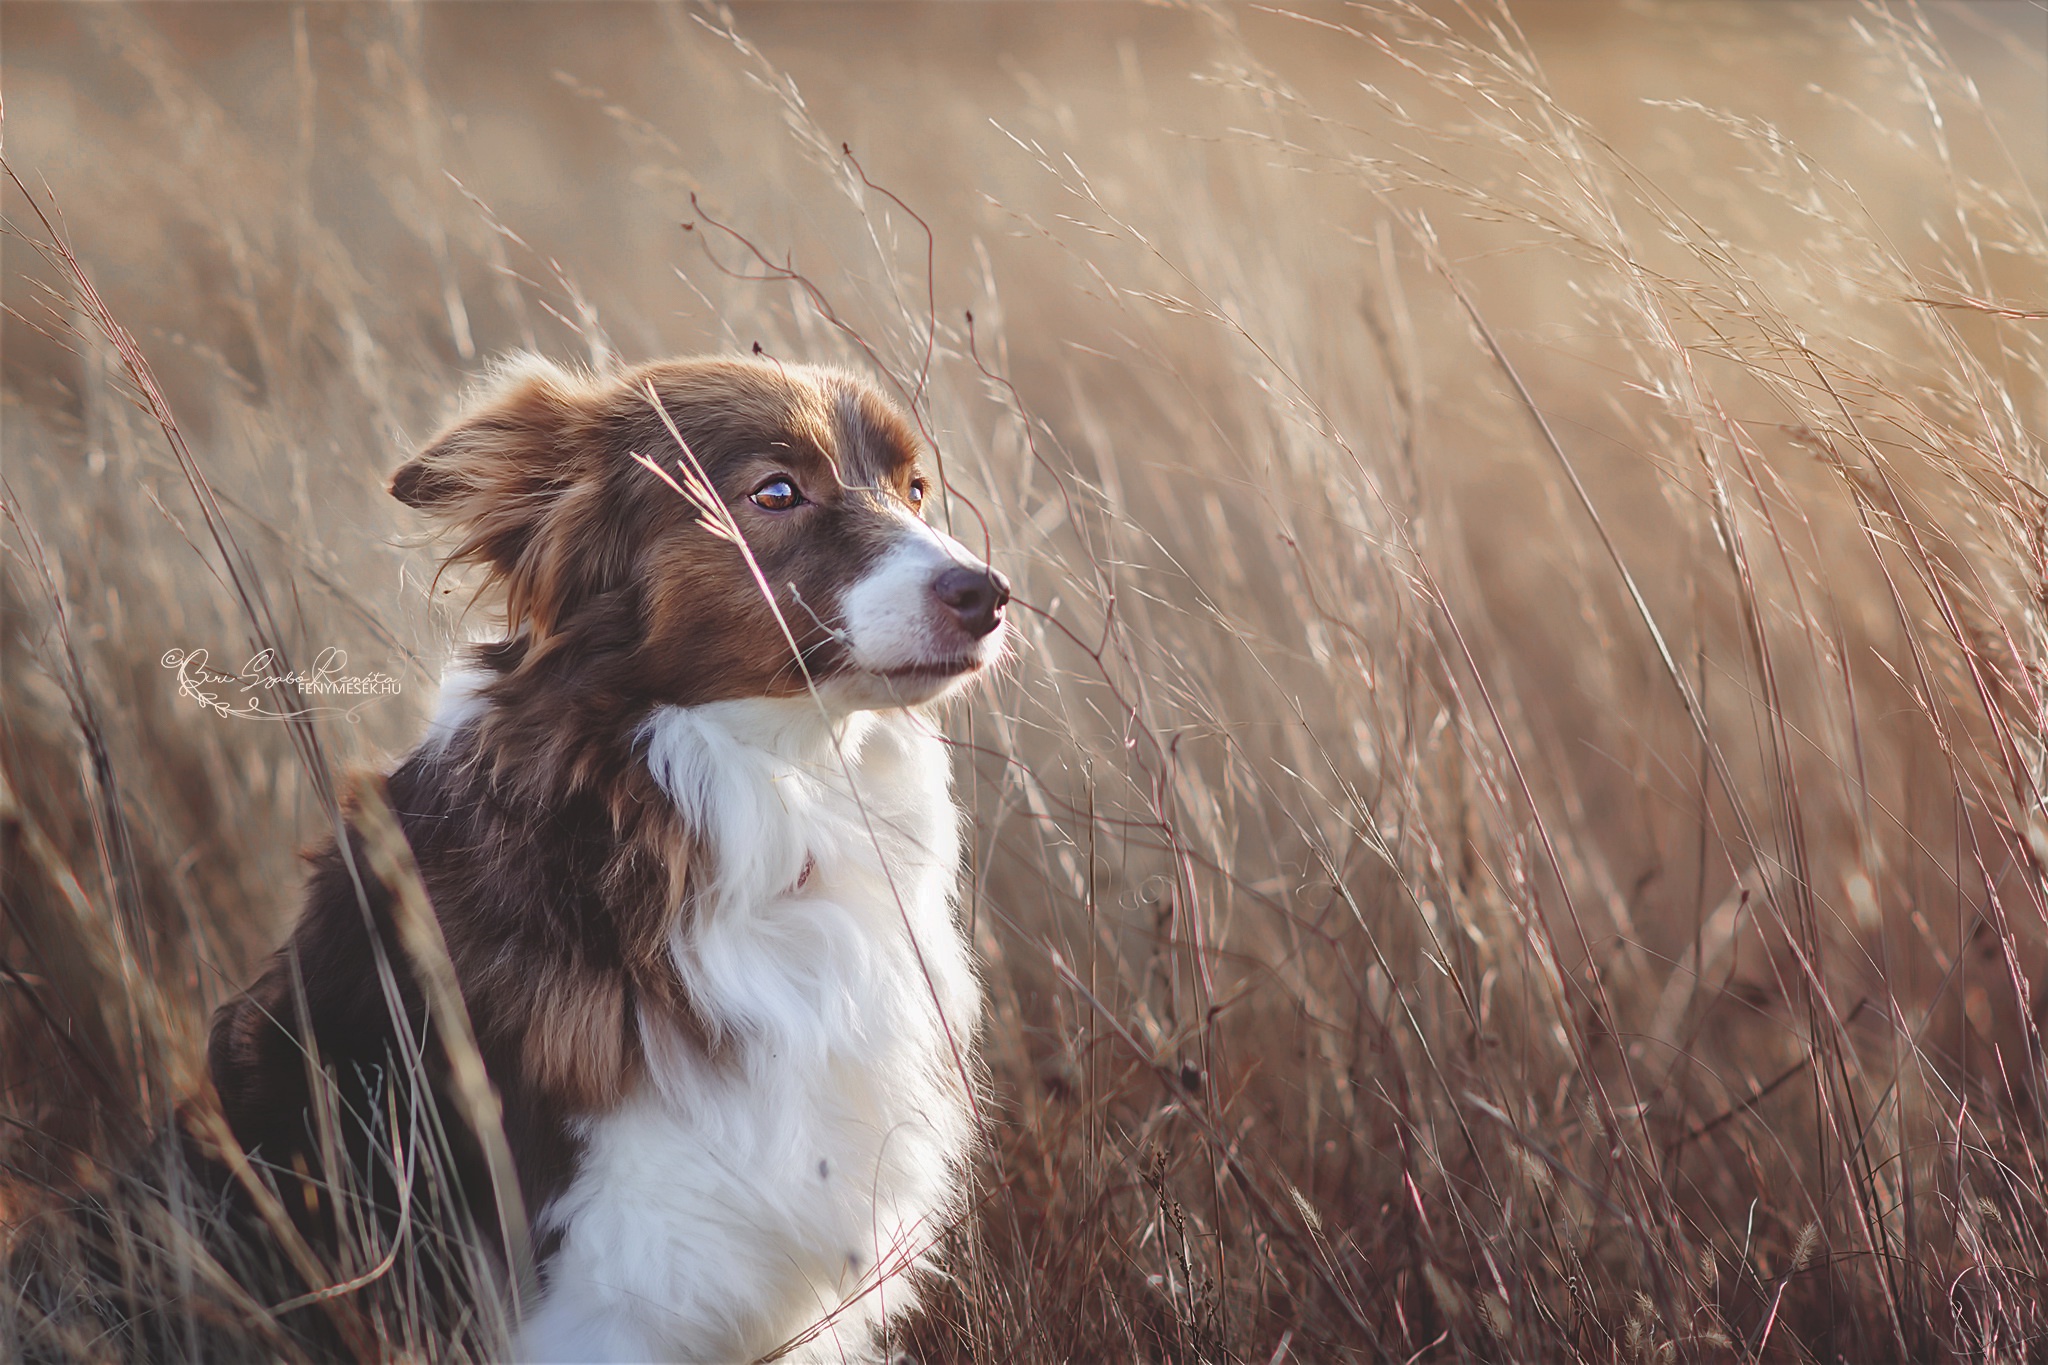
x=1517, y=829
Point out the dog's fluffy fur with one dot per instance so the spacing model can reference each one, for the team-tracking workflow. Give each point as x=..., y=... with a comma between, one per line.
x=698, y=890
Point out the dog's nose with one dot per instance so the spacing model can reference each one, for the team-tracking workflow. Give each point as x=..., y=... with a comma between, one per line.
x=974, y=596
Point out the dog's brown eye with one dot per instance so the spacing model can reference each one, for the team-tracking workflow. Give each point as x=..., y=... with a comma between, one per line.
x=917, y=488
x=776, y=495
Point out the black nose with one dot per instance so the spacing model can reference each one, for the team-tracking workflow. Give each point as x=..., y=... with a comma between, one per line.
x=974, y=596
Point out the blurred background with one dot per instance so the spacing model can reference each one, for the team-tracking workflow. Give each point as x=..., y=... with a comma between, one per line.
x=1516, y=828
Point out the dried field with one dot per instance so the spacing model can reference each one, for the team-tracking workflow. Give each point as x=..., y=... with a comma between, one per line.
x=1519, y=828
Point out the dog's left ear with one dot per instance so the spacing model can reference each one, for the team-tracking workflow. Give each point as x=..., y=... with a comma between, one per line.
x=512, y=477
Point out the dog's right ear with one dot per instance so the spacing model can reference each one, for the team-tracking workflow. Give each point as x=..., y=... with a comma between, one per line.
x=507, y=439
x=419, y=485
x=503, y=473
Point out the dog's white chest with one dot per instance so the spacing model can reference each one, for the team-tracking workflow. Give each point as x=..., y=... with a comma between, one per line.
x=739, y=1200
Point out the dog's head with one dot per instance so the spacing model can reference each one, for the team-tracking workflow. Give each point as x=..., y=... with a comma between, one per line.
x=607, y=562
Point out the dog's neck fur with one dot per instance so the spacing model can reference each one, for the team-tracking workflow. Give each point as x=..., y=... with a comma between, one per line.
x=818, y=957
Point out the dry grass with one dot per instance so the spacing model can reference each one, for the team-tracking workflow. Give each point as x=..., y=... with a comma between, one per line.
x=1518, y=830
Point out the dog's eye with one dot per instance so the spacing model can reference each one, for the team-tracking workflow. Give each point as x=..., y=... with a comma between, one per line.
x=917, y=489
x=777, y=495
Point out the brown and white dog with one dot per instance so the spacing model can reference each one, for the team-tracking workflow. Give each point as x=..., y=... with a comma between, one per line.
x=698, y=889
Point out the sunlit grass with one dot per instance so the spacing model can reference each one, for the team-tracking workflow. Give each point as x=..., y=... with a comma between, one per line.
x=1516, y=830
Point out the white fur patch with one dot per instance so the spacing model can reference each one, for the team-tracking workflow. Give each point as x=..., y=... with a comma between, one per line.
x=461, y=701
x=892, y=619
x=728, y=1208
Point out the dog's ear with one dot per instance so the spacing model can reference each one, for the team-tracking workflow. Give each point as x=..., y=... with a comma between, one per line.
x=513, y=477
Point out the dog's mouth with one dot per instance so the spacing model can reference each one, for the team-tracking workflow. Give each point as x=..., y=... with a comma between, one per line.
x=935, y=671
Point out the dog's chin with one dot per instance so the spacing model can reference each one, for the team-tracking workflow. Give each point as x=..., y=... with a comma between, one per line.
x=876, y=689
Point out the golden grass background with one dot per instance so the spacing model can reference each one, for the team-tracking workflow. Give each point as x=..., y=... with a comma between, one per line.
x=1517, y=828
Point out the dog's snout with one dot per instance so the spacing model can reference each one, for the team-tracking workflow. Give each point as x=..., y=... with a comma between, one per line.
x=976, y=597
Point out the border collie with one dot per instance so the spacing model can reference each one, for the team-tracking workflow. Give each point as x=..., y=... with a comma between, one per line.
x=692, y=848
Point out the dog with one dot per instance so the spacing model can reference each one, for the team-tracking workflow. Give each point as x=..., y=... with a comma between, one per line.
x=689, y=839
